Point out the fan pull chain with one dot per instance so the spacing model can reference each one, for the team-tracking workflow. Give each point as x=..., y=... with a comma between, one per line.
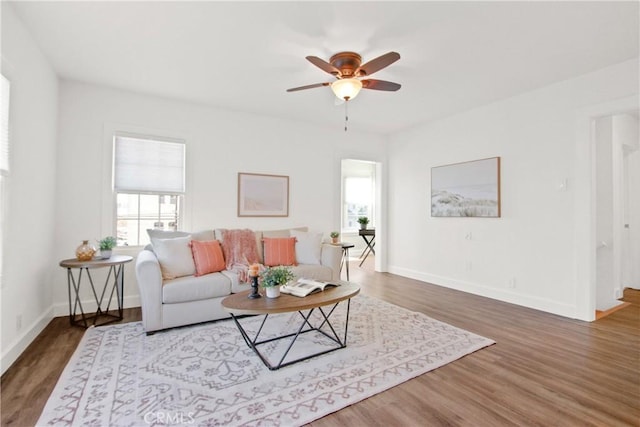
x=346, y=114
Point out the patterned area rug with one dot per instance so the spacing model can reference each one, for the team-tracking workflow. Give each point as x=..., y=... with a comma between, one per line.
x=206, y=375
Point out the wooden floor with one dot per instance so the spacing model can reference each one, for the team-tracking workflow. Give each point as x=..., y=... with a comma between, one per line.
x=544, y=370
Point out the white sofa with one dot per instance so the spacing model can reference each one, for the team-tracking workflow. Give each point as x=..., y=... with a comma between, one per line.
x=187, y=300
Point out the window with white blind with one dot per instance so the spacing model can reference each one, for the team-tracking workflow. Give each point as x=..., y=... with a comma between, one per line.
x=5, y=89
x=149, y=185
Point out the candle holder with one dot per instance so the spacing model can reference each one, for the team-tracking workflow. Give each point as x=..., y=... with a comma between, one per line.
x=254, y=288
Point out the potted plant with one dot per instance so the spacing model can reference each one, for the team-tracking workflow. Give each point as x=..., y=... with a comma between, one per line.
x=106, y=246
x=363, y=220
x=273, y=278
x=334, y=237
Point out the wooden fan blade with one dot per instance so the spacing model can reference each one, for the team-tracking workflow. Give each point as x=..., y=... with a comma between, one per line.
x=323, y=65
x=377, y=64
x=294, y=89
x=380, y=85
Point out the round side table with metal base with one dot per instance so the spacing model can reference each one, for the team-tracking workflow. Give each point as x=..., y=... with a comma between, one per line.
x=77, y=316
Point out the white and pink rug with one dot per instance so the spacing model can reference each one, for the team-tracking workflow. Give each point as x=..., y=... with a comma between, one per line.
x=205, y=375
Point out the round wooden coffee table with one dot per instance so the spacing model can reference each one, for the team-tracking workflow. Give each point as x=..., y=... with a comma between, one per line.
x=324, y=302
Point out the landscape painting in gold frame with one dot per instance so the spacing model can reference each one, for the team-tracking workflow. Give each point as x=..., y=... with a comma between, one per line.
x=468, y=189
x=263, y=195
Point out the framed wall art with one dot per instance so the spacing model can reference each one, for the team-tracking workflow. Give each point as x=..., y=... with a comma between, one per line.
x=468, y=189
x=263, y=195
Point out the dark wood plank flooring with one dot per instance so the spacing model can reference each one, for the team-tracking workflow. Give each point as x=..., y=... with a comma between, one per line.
x=544, y=370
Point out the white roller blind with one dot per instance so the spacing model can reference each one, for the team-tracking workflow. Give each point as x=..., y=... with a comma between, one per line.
x=4, y=132
x=146, y=165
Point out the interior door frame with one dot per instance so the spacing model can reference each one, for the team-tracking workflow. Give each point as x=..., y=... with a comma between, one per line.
x=380, y=263
x=585, y=202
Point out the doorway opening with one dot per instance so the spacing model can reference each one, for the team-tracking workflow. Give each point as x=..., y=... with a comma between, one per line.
x=617, y=209
x=359, y=189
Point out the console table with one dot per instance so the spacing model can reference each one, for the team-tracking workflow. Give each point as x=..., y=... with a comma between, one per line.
x=371, y=233
x=116, y=273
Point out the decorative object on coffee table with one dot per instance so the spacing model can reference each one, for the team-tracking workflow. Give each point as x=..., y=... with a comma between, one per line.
x=254, y=272
x=335, y=237
x=106, y=246
x=363, y=221
x=85, y=251
x=273, y=278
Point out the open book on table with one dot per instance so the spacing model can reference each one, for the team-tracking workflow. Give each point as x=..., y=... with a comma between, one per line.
x=304, y=287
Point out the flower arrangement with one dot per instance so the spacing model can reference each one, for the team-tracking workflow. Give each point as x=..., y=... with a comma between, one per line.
x=334, y=234
x=363, y=221
x=276, y=276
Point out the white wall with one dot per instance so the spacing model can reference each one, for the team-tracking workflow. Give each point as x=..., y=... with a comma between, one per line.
x=29, y=240
x=220, y=143
x=528, y=256
x=605, y=262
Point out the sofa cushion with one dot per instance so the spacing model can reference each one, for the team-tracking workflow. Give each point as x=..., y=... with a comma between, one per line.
x=174, y=256
x=308, y=247
x=204, y=235
x=279, y=251
x=285, y=232
x=207, y=256
x=316, y=272
x=191, y=288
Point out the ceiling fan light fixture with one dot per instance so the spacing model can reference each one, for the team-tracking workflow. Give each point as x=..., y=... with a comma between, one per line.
x=346, y=89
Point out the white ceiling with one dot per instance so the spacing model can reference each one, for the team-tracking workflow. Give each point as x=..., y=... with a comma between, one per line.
x=244, y=55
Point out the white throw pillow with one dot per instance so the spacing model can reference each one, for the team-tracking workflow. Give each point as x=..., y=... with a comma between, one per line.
x=174, y=256
x=308, y=247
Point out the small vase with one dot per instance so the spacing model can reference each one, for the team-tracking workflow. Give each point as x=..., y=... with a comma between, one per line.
x=363, y=226
x=85, y=251
x=105, y=254
x=335, y=240
x=273, y=291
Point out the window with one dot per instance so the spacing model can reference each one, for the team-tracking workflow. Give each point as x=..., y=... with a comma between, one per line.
x=4, y=160
x=358, y=201
x=149, y=187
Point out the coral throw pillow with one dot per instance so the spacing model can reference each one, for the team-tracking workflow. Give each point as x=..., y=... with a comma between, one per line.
x=279, y=251
x=207, y=256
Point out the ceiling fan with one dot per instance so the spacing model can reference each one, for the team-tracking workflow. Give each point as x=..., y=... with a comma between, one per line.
x=351, y=74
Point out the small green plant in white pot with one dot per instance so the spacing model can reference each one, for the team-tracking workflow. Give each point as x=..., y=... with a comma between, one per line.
x=363, y=221
x=106, y=246
x=273, y=278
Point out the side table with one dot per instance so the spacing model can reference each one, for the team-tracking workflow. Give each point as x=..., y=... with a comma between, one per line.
x=345, y=257
x=116, y=273
x=371, y=232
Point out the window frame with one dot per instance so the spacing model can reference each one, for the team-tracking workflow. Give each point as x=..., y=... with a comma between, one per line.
x=110, y=195
x=371, y=206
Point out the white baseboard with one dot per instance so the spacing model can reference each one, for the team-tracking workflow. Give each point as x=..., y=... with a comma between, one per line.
x=509, y=296
x=16, y=348
x=20, y=344
x=90, y=306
